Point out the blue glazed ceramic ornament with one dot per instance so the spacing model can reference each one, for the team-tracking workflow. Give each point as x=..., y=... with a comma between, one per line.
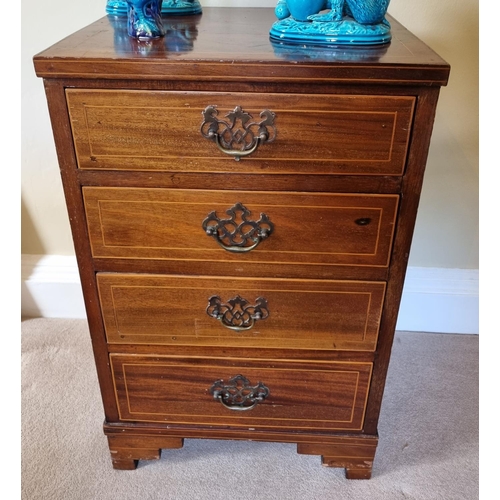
x=300, y=10
x=168, y=7
x=180, y=37
x=346, y=53
x=180, y=7
x=116, y=7
x=351, y=22
x=144, y=19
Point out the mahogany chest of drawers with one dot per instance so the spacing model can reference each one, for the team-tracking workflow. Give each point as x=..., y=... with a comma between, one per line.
x=242, y=214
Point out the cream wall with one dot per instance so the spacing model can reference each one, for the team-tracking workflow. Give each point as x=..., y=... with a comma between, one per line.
x=446, y=234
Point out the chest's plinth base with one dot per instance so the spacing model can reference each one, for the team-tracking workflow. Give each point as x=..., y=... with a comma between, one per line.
x=129, y=444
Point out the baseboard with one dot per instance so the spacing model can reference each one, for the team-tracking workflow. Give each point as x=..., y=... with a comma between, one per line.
x=440, y=300
x=50, y=287
x=434, y=299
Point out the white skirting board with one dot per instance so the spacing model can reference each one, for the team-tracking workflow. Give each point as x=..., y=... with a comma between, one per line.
x=434, y=299
x=440, y=300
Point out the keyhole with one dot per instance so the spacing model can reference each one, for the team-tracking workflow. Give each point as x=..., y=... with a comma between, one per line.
x=363, y=221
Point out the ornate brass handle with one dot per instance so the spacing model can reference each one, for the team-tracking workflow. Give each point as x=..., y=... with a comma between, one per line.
x=237, y=314
x=238, y=394
x=240, y=136
x=236, y=152
x=235, y=236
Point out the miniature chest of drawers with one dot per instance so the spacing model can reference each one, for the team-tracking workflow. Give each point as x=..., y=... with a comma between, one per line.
x=242, y=214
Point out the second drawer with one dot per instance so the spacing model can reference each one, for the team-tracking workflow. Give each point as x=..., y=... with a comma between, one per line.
x=241, y=226
x=221, y=311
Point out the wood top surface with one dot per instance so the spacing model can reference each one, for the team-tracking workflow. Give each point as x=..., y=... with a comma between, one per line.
x=232, y=44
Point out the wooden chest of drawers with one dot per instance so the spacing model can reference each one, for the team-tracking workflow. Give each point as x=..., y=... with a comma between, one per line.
x=252, y=299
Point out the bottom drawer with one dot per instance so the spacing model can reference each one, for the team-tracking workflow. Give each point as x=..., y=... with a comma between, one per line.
x=241, y=393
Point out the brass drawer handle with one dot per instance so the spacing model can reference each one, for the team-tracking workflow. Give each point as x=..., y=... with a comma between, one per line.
x=238, y=394
x=237, y=234
x=240, y=135
x=237, y=314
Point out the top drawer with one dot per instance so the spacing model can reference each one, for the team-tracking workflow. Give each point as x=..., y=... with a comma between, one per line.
x=312, y=134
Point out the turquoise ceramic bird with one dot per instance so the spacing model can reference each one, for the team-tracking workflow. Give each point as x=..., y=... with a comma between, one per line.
x=362, y=11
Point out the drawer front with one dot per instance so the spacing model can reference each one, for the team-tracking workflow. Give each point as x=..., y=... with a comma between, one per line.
x=307, y=228
x=269, y=394
x=221, y=311
x=327, y=134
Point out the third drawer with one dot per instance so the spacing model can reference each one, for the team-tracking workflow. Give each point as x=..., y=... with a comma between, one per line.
x=241, y=312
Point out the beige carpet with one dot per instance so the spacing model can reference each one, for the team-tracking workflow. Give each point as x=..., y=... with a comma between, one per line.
x=428, y=433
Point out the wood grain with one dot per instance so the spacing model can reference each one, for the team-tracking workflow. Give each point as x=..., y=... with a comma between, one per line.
x=412, y=187
x=327, y=134
x=102, y=51
x=356, y=458
x=76, y=214
x=309, y=229
x=303, y=314
x=302, y=396
x=357, y=450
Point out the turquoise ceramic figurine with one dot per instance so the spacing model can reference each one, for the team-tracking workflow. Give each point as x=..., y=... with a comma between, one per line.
x=144, y=19
x=180, y=37
x=168, y=7
x=180, y=7
x=353, y=22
